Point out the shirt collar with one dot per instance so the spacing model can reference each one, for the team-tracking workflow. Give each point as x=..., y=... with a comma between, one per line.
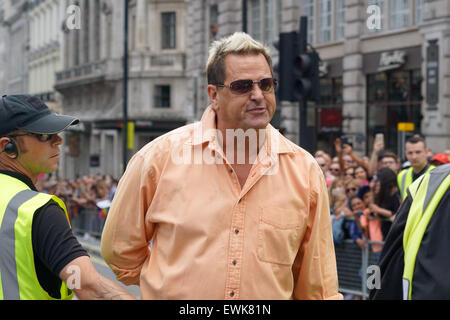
x=205, y=131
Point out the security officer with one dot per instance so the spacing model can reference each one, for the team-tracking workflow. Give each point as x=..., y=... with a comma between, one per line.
x=415, y=259
x=415, y=150
x=40, y=258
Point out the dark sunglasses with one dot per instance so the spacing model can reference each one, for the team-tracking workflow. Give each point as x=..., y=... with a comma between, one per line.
x=245, y=86
x=350, y=189
x=334, y=169
x=41, y=137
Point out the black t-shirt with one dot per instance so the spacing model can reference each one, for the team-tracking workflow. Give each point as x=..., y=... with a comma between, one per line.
x=416, y=175
x=392, y=204
x=54, y=244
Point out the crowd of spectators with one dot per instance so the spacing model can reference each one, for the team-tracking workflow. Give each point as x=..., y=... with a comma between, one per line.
x=363, y=191
x=87, y=200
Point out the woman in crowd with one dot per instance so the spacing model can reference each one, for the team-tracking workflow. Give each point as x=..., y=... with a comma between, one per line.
x=362, y=175
x=357, y=232
x=352, y=186
x=370, y=221
x=387, y=199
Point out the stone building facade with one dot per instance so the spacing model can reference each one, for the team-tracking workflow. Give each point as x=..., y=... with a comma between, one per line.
x=376, y=65
x=2, y=51
x=45, y=54
x=16, y=46
x=91, y=81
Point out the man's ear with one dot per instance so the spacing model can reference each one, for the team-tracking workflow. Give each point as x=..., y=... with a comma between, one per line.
x=3, y=142
x=212, y=94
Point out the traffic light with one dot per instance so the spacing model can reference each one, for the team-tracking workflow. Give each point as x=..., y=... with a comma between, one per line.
x=287, y=47
x=298, y=69
x=307, y=82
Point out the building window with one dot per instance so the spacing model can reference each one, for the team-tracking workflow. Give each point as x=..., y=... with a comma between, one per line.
x=76, y=50
x=308, y=10
x=418, y=11
x=97, y=38
x=269, y=20
x=86, y=31
x=256, y=19
x=324, y=21
x=381, y=5
x=340, y=19
x=168, y=21
x=280, y=15
x=399, y=14
x=393, y=97
x=214, y=21
x=162, y=96
x=329, y=113
x=265, y=20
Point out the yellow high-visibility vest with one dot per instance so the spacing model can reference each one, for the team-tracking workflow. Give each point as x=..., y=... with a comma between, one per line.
x=18, y=278
x=427, y=191
x=405, y=178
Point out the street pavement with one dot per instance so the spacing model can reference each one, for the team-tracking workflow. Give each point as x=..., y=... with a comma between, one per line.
x=92, y=245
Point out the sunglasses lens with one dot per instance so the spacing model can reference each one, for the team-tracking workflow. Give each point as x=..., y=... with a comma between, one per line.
x=267, y=84
x=241, y=86
x=44, y=137
x=245, y=86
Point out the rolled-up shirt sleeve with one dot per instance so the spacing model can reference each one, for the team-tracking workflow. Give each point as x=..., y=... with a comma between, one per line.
x=314, y=269
x=127, y=231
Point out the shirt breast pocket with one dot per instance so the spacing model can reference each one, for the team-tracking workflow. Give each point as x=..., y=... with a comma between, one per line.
x=279, y=234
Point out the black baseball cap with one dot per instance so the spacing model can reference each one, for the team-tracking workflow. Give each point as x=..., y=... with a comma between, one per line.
x=31, y=114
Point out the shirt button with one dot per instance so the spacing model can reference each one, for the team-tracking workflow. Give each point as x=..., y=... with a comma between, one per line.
x=231, y=171
x=236, y=231
x=234, y=262
x=232, y=294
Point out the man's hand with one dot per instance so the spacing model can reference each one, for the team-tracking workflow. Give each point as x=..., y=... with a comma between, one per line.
x=82, y=277
x=361, y=243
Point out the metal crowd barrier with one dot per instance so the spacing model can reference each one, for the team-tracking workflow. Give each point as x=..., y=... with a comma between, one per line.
x=352, y=265
x=88, y=223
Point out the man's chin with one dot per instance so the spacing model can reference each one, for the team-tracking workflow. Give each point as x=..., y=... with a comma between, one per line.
x=257, y=125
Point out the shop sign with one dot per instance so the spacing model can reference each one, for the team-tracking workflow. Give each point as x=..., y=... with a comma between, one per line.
x=330, y=120
x=391, y=60
x=323, y=69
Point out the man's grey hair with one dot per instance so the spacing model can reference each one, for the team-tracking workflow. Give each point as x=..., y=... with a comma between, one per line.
x=238, y=43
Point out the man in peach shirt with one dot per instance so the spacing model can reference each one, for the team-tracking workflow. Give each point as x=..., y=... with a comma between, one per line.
x=233, y=209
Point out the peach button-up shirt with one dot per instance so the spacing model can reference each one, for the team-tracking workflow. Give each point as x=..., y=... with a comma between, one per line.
x=212, y=239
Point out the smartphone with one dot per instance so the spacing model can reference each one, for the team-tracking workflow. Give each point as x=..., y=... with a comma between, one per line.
x=379, y=137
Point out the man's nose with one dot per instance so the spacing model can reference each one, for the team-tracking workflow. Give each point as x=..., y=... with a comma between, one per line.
x=58, y=140
x=256, y=93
